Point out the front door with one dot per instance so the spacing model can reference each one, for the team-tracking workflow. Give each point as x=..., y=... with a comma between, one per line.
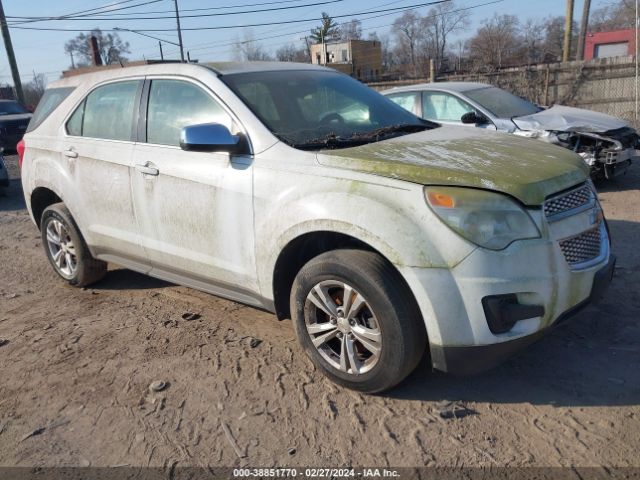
x=194, y=209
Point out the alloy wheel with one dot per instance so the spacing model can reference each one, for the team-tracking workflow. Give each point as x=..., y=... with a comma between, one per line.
x=343, y=327
x=61, y=248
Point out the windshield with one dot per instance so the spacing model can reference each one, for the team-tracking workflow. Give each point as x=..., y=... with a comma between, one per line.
x=315, y=109
x=502, y=104
x=11, y=108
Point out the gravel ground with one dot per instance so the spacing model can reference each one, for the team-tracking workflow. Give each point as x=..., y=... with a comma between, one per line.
x=78, y=364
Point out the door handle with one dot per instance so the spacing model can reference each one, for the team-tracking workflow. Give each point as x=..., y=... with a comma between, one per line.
x=148, y=169
x=70, y=153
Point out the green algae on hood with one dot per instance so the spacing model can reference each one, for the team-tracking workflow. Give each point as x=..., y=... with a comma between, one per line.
x=529, y=170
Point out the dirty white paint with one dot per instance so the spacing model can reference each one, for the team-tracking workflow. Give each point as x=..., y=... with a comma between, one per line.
x=218, y=222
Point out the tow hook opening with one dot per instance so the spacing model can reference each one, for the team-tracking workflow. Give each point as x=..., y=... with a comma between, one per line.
x=503, y=312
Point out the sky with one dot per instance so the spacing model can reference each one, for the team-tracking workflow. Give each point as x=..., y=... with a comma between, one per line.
x=43, y=51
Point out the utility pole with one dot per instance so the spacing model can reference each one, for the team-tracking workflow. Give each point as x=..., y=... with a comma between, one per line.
x=568, y=31
x=584, y=28
x=179, y=31
x=6, y=36
x=161, y=52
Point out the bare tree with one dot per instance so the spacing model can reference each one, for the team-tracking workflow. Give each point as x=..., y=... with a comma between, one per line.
x=249, y=50
x=533, y=39
x=34, y=90
x=327, y=31
x=291, y=53
x=440, y=23
x=615, y=16
x=110, y=46
x=553, y=44
x=351, y=30
x=495, y=41
x=408, y=33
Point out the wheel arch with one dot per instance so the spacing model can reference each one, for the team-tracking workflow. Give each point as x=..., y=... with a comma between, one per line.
x=40, y=199
x=303, y=248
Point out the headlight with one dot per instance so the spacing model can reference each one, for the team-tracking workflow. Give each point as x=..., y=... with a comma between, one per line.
x=488, y=219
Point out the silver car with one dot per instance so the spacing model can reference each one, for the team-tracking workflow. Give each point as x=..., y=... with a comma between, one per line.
x=607, y=144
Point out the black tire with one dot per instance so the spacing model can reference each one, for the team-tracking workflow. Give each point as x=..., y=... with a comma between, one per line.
x=388, y=301
x=87, y=269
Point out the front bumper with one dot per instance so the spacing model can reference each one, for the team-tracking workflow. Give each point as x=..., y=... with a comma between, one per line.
x=467, y=360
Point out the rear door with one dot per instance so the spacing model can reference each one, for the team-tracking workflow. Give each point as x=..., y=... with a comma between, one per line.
x=194, y=209
x=98, y=150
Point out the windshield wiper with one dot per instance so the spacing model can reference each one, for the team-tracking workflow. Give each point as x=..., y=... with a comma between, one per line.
x=333, y=141
x=329, y=141
x=385, y=131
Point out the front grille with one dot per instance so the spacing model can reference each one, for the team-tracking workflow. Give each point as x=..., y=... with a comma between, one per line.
x=584, y=247
x=569, y=201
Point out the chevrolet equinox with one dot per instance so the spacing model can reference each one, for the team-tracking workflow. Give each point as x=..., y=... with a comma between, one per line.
x=297, y=189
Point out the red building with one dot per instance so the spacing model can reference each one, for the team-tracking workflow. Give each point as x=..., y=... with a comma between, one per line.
x=610, y=44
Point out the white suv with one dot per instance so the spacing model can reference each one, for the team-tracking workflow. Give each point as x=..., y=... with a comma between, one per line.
x=299, y=190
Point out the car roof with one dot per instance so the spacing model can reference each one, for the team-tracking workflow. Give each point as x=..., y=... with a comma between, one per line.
x=456, y=87
x=175, y=68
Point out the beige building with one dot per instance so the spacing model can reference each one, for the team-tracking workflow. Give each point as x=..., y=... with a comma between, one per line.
x=362, y=59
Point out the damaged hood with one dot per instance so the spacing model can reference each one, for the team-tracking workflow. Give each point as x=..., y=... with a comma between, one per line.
x=528, y=170
x=569, y=119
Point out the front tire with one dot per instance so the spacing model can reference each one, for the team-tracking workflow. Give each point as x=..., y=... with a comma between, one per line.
x=356, y=319
x=66, y=249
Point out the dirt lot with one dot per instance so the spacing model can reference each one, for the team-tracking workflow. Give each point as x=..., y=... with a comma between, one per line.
x=78, y=364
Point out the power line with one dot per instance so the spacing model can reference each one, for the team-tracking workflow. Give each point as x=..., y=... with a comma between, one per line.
x=223, y=27
x=106, y=19
x=98, y=15
x=219, y=47
x=72, y=16
x=291, y=33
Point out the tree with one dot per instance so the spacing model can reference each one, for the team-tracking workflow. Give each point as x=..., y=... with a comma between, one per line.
x=110, y=47
x=351, y=30
x=249, y=50
x=327, y=31
x=441, y=22
x=616, y=16
x=34, y=90
x=553, y=44
x=291, y=53
x=533, y=39
x=495, y=42
x=408, y=33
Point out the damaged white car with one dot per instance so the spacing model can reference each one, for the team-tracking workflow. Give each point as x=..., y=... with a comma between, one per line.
x=607, y=144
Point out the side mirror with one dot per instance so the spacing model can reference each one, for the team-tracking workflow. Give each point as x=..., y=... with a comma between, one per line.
x=211, y=137
x=473, y=118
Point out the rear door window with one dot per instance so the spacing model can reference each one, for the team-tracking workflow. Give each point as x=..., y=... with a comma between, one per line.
x=51, y=100
x=107, y=112
x=175, y=104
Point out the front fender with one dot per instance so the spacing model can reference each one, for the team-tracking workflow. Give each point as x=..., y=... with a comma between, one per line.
x=390, y=216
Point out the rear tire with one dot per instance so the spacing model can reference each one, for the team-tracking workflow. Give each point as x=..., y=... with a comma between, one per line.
x=66, y=249
x=356, y=319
